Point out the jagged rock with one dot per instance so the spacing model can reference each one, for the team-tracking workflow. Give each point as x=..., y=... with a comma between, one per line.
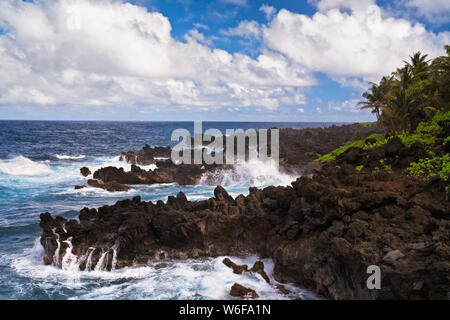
x=146, y=155
x=282, y=289
x=393, y=146
x=85, y=171
x=221, y=194
x=240, y=291
x=79, y=187
x=111, y=186
x=393, y=256
x=113, y=174
x=322, y=232
x=238, y=269
x=258, y=267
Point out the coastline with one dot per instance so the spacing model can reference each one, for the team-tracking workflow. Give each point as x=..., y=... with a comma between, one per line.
x=322, y=233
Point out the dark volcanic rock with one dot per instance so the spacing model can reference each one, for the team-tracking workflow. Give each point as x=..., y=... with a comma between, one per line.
x=258, y=267
x=239, y=291
x=298, y=149
x=146, y=155
x=85, y=171
x=238, y=269
x=110, y=174
x=307, y=229
x=108, y=186
x=166, y=172
x=322, y=232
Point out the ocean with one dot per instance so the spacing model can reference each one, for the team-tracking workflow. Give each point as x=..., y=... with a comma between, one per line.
x=39, y=167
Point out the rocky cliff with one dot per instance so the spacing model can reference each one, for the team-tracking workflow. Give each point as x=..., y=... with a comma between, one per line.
x=322, y=232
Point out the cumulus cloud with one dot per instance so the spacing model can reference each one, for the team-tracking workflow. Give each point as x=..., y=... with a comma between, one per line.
x=246, y=29
x=324, y=5
x=109, y=52
x=301, y=110
x=344, y=106
x=96, y=53
x=360, y=43
x=436, y=11
x=268, y=10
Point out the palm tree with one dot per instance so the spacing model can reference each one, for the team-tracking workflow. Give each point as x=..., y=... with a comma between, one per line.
x=371, y=100
x=375, y=97
x=418, y=65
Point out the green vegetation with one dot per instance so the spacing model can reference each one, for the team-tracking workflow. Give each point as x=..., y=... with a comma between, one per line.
x=431, y=166
x=367, y=124
x=413, y=104
x=412, y=94
x=360, y=143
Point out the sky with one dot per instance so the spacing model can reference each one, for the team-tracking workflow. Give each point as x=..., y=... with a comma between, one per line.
x=218, y=60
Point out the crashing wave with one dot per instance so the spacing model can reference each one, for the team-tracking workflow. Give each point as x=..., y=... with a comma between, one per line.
x=65, y=157
x=255, y=173
x=22, y=166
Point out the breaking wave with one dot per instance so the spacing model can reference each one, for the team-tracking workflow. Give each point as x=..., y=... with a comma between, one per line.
x=179, y=279
x=65, y=157
x=22, y=166
x=255, y=173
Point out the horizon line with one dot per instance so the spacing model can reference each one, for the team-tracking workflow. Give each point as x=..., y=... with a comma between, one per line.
x=258, y=121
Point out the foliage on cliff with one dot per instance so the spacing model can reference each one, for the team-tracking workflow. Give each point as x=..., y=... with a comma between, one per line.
x=411, y=94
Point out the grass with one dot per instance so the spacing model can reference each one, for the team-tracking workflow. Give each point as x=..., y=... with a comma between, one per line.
x=367, y=124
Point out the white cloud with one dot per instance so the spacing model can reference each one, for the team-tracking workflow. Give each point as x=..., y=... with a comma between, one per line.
x=201, y=26
x=301, y=110
x=435, y=11
x=196, y=35
x=246, y=29
x=113, y=53
x=344, y=106
x=268, y=10
x=241, y=3
x=319, y=110
x=325, y=5
x=359, y=44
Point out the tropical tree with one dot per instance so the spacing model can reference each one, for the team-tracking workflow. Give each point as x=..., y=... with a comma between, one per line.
x=411, y=94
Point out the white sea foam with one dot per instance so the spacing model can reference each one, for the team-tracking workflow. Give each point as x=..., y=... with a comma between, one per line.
x=66, y=157
x=115, y=162
x=252, y=173
x=95, y=191
x=22, y=166
x=185, y=279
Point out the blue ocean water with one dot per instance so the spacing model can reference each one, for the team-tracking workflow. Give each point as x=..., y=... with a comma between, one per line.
x=39, y=167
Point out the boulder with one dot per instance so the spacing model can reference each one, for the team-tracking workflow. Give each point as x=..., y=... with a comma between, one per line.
x=239, y=291
x=85, y=171
x=111, y=186
x=258, y=267
x=238, y=269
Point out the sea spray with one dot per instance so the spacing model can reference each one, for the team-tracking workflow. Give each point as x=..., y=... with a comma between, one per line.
x=65, y=157
x=101, y=264
x=58, y=248
x=256, y=173
x=114, y=248
x=69, y=261
x=22, y=166
x=89, y=259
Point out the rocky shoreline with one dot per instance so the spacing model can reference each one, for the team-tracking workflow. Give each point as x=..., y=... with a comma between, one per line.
x=298, y=150
x=322, y=232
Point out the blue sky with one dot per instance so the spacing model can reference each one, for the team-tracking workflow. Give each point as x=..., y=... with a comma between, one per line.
x=230, y=60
